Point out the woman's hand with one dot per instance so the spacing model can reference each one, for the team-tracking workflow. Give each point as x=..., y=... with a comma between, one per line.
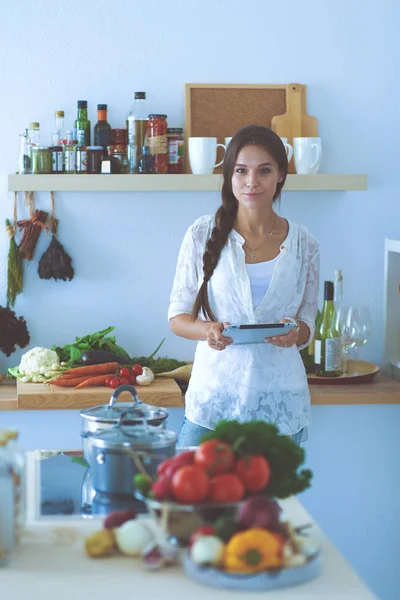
x=287, y=340
x=215, y=339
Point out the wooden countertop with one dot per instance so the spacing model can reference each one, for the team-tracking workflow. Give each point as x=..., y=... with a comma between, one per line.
x=383, y=390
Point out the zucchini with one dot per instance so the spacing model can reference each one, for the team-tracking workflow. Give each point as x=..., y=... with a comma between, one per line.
x=97, y=357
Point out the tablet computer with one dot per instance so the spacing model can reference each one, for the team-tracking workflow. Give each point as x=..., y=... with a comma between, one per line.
x=255, y=334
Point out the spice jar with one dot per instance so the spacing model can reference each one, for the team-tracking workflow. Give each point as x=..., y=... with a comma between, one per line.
x=41, y=160
x=94, y=156
x=175, y=150
x=158, y=142
x=120, y=152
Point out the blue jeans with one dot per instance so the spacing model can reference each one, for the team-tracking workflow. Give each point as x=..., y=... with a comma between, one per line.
x=191, y=434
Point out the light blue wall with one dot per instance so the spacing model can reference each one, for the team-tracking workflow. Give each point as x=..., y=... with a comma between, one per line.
x=124, y=246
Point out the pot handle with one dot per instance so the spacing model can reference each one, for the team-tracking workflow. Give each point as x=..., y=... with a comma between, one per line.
x=124, y=388
x=127, y=414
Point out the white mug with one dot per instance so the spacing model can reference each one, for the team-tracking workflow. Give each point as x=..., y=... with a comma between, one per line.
x=203, y=154
x=288, y=148
x=307, y=155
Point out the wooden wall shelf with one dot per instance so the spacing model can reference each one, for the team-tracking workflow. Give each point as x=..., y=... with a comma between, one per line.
x=171, y=183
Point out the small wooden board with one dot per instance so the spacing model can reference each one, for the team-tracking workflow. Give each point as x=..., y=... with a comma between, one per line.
x=162, y=392
x=295, y=122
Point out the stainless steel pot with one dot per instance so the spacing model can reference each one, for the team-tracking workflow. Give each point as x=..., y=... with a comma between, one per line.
x=103, y=416
x=118, y=453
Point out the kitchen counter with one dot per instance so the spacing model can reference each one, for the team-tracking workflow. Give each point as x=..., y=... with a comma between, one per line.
x=382, y=390
x=51, y=563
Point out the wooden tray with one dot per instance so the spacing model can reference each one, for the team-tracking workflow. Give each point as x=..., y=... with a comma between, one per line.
x=161, y=392
x=358, y=372
x=220, y=110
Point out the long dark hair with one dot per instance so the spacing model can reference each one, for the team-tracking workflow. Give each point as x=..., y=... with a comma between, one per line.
x=226, y=214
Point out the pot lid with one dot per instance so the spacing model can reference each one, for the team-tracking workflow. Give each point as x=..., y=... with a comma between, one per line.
x=111, y=412
x=127, y=437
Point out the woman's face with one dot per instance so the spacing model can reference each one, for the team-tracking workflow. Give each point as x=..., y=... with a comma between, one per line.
x=255, y=177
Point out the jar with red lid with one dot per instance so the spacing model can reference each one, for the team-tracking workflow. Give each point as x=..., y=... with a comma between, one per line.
x=175, y=150
x=158, y=142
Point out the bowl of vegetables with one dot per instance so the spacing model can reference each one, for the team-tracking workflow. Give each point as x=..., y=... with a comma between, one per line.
x=233, y=463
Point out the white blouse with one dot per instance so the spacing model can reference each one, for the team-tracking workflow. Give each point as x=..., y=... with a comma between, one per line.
x=260, y=275
x=254, y=381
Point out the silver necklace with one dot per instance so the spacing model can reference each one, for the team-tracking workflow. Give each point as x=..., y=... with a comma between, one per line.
x=254, y=250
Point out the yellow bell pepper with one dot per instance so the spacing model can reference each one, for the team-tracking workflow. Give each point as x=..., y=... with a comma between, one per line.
x=252, y=551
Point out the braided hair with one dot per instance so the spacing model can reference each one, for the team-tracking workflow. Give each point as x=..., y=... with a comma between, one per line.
x=226, y=214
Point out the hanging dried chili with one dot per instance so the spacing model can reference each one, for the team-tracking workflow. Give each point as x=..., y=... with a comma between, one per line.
x=13, y=331
x=32, y=228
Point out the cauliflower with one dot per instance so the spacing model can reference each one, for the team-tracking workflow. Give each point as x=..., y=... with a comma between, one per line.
x=38, y=361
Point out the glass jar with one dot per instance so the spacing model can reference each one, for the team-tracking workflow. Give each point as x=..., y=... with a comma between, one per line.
x=94, y=156
x=41, y=160
x=120, y=152
x=119, y=137
x=158, y=142
x=175, y=150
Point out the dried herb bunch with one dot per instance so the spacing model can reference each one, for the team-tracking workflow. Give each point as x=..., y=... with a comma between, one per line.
x=55, y=262
x=15, y=271
x=32, y=228
x=13, y=331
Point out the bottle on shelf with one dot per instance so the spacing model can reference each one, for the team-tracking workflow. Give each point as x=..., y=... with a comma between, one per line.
x=102, y=129
x=328, y=347
x=70, y=153
x=59, y=128
x=25, y=154
x=307, y=354
x=145, y=164
x=132, y=155
x=34, y=133
x=136, y=121
x=57, y=154
x=81, y=153
x=82, y=122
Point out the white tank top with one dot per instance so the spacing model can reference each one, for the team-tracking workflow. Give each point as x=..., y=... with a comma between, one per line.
x=260, y=275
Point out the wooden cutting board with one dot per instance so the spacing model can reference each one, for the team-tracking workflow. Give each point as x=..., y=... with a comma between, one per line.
x=295, y=122
x=162, y=392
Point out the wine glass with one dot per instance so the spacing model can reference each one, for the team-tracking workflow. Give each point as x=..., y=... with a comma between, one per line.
x=361, y=317
x=347, y=328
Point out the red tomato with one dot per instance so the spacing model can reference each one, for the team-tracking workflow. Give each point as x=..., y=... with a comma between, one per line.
x=107, y=381
x=205, y=530
x=115, y=382
x=124, y=380
x=132, y=379
x=215, y=457
x=184, y=458
x=137, y=370
x=163, y=466
x=254, y=472
x=125, y=372
x=190, y=485
x=226, y=487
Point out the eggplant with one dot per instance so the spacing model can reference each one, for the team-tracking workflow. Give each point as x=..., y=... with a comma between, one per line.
x=97, y=357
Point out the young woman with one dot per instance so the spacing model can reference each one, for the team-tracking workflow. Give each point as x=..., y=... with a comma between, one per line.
x=247, y=265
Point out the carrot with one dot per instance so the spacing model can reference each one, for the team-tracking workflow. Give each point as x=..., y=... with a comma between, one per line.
x=68, y=382
x=91, y=370
x=93, y=381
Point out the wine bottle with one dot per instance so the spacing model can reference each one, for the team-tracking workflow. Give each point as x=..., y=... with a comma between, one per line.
x=328, y=348
x=307, y=354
